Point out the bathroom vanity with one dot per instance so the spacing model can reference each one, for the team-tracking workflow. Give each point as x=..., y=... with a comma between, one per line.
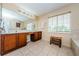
x=13, y=41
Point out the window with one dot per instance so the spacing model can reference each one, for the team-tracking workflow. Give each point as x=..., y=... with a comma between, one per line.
x=30, y=27
x=60, y=23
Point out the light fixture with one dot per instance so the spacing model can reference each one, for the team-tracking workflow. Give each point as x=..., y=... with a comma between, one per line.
x=7, y=13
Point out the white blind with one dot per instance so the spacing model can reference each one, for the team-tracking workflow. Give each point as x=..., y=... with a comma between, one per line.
x=60, y=23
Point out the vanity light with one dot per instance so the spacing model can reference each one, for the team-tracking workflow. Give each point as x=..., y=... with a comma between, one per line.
x=24, y=13
x=19, y=10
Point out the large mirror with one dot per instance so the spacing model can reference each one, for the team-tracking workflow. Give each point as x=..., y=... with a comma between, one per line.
x=15, y=22
x=0, y=16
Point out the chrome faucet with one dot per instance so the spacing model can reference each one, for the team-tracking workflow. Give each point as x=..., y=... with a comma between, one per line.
x=2, y=29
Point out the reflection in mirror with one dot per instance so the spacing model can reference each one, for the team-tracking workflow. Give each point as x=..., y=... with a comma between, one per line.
x=0, y=17
x=11, y=17
x=30, y=27
x=0, y=13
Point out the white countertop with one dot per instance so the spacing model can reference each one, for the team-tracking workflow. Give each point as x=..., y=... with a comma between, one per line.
x=17, y=32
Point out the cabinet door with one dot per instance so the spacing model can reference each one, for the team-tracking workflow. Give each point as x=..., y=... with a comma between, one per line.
x=0, y=44
x=9, y=42
x=40, y=35
x=35, y=36
x=22, y=39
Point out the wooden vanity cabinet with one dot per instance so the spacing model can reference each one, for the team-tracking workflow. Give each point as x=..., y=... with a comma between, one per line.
x=40, y=35
x=0, y=43
x=22, y=39
x=8, y=43
x=36, y=36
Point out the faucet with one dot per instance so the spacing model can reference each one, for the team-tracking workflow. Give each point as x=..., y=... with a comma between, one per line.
x=2, y=29
x=16, y=30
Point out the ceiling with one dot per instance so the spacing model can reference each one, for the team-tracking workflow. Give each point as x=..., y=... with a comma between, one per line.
x=41, y=8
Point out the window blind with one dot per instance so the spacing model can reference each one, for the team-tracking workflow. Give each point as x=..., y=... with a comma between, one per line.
x=59, y=23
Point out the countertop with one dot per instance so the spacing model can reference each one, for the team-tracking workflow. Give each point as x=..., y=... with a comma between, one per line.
x=18, y=32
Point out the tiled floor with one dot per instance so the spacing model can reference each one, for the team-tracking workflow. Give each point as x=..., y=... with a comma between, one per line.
x=41, y=48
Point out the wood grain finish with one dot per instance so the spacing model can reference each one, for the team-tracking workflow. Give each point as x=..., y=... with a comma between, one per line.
x=40, y=35
x=0, y=43
x=36, y=36
x=56, y=40
x=10, y=42
x=22, y=39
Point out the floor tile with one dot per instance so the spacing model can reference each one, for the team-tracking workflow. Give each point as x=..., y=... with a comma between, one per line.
x=41, y=48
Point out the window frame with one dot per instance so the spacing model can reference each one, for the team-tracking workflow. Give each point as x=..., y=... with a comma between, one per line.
x=31, y=28
x=57, y=23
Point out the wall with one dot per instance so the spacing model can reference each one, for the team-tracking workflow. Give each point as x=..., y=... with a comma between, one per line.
x=66, y=40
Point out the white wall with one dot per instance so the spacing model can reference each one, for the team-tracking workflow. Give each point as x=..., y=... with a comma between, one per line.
x=43, y=23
